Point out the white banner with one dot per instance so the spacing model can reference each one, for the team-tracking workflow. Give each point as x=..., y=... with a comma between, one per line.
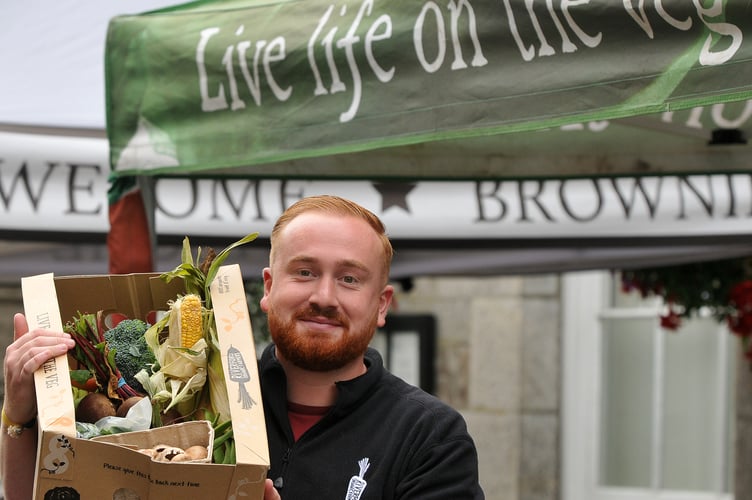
x=656, y=206
x=52, y=184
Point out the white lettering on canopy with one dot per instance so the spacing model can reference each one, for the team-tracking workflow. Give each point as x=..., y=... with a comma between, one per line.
x=430, y=28
x=266, y=53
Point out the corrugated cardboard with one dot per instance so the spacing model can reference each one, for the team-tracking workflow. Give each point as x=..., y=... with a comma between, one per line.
x=182, y=435
x=96, y=470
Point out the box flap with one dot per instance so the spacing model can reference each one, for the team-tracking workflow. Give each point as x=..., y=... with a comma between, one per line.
x=53, y=386
x=182, y=435
x=134, y=295
x=248, y=481
x=240, y=364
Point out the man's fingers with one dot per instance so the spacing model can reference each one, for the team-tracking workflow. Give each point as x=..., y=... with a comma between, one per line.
x=36, y=357
x=33, y=348
x=20, y=326
x=269, y=492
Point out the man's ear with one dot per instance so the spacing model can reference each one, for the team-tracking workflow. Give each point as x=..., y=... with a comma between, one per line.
x=385, y=300
x=264, y=302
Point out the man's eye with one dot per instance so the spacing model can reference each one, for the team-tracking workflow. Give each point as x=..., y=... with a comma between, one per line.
x=305, y=272
x=351, y=280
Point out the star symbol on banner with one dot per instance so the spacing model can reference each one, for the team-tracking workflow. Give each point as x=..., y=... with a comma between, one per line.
x=394, y=194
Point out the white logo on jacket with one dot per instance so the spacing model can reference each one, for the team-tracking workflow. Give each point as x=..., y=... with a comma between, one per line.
x=357, y=483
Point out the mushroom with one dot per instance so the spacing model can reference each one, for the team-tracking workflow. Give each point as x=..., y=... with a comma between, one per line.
x=165, y=452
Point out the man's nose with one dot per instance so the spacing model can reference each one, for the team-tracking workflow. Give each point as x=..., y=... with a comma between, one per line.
x=324, y=294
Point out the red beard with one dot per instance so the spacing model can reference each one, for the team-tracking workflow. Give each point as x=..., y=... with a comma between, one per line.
x=316, y=351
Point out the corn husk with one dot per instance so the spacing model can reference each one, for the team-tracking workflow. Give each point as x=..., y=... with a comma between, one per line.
x=180, y=383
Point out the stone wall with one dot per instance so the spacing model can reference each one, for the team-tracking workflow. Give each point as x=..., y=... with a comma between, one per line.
x=498, y=362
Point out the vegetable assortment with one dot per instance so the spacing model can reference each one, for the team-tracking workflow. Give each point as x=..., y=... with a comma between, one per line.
x=175, y=362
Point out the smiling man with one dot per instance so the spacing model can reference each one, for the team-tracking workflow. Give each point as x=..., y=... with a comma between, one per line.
x=339, y=424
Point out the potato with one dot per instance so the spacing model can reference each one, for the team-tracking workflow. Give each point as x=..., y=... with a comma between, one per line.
x=93, y=407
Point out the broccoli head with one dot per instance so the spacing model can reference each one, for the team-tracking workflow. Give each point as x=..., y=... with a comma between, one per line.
x=132, y=354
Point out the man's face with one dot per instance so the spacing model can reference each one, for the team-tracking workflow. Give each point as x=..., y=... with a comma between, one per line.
x=324, y=293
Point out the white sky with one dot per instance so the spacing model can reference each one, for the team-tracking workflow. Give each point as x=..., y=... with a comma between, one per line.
x=52, y=59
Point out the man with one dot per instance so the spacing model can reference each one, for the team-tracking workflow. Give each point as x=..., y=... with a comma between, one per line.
x=347, y=428
x=339, y=425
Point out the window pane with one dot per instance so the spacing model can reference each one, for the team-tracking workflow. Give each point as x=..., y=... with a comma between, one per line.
x=729, y=435
x=626, y=421
x=692, y=419
x=405, y=356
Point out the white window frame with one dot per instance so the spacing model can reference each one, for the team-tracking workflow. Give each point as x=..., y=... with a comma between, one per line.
x=584, y=296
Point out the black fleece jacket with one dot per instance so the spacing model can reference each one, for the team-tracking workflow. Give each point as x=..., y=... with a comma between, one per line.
x=383, y=440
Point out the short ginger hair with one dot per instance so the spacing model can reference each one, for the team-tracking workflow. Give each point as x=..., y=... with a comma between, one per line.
x=335, y=205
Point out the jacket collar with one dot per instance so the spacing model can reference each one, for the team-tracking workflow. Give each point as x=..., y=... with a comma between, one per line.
x=350, y=391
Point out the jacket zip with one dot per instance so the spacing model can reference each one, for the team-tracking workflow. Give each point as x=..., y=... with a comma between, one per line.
x=279, y=483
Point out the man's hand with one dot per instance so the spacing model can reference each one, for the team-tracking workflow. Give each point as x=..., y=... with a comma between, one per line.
x=269, y=492
x=23, y=357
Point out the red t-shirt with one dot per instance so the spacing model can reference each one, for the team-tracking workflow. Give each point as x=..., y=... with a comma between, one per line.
x=303, y=417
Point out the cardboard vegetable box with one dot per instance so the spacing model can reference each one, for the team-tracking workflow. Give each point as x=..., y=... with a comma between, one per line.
x=69, y=467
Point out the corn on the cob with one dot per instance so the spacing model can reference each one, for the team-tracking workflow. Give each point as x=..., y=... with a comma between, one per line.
x=186, y=325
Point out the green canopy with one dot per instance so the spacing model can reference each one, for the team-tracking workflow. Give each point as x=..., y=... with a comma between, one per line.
x=424, y=89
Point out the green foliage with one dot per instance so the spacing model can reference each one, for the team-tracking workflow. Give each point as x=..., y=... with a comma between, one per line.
x=198, y=274
x=690, y=287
